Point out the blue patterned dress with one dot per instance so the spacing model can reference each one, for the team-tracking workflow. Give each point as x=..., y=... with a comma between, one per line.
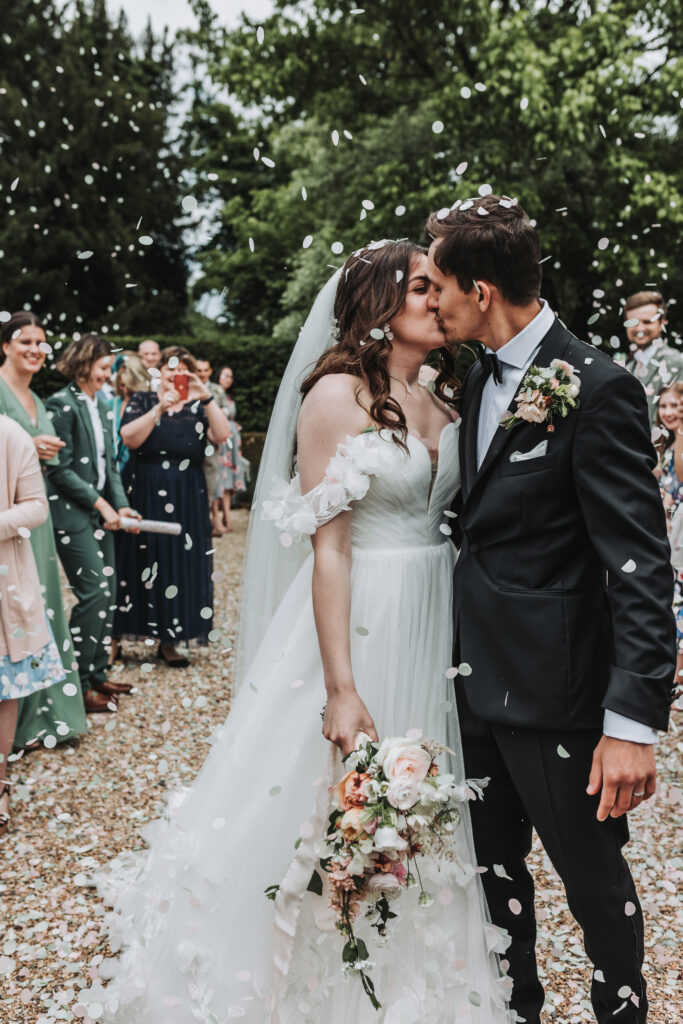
x=34, y=672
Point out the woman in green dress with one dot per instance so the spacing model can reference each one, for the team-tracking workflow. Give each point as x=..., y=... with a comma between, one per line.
x=57, y=713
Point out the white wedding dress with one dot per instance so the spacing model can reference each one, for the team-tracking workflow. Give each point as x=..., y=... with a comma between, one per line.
x=196, y=938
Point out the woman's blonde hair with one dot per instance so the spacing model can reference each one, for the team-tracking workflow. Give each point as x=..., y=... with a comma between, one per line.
x=131, y=374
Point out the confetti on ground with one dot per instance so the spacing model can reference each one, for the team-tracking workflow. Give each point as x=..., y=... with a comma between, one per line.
x=77, y=806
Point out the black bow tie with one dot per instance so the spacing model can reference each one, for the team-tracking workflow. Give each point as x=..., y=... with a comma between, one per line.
x=491, y=366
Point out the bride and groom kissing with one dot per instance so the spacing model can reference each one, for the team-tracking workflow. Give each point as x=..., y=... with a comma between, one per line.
x=541, y=652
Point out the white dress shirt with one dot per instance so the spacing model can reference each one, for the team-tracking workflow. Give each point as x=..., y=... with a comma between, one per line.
x=642, y=356
x=516, y=356
x=98, y=430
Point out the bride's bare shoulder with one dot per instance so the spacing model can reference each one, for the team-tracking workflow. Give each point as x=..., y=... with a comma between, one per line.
x=332, y=403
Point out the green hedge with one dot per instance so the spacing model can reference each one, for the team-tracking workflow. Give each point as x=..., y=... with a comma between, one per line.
x=257, y=362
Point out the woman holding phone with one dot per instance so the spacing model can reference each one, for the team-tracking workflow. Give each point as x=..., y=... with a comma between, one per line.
x=165, y=588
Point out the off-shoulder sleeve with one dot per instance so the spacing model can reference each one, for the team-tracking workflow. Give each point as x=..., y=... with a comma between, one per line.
x=347, y=479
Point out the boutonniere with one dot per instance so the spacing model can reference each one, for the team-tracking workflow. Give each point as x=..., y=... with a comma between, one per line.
x=545, y=393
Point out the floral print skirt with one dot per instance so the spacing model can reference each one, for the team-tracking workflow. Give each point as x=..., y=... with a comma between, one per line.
x=34, y=672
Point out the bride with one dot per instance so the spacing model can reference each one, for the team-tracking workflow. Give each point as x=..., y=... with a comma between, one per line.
x=360, y=626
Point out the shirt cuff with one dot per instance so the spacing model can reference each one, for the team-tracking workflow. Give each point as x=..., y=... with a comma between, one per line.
x=618, y=727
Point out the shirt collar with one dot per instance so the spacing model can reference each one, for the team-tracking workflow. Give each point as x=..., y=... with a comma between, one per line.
x=644, y=355
x=519, y=350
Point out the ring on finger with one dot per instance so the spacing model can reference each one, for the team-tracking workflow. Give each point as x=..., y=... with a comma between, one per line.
x=640, y=794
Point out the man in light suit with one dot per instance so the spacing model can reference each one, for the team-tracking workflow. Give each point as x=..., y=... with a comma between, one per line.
x=656, y=365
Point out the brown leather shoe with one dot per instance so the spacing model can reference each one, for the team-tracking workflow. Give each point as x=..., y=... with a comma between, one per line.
x=111, y=688
x=95, y=702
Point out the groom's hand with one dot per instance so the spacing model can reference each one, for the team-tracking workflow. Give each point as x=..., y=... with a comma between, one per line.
x=625, y=772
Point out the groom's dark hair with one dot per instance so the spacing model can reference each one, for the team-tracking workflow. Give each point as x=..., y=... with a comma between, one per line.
x=489, y=239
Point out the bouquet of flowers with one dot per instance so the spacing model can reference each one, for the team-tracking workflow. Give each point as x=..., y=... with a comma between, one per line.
x=545, y=393
x=392, y=806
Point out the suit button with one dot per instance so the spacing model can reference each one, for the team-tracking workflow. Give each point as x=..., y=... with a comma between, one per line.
x=474, y=548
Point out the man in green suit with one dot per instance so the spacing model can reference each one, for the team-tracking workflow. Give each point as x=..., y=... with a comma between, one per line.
x=656, y=365
x=87, y=501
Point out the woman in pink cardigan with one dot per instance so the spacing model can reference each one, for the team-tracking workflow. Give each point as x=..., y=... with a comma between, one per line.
x=29, y=659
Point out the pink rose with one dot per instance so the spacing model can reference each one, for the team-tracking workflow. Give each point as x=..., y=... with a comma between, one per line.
x=406, y=758
x=399, y=869
x=531, y=413
x=554, y=383
x=384, y=883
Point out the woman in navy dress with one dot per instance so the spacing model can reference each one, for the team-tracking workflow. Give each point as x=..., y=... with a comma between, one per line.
x=165, y=588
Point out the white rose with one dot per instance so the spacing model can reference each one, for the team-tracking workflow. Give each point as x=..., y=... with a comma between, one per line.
x=403, y=792
x=387, y=840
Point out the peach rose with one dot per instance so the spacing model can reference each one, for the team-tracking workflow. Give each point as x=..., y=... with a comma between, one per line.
x=351, y=791
x=351, y=825
x=531, y=413
x=409, y=760
x=554, y=383
x=560, y=364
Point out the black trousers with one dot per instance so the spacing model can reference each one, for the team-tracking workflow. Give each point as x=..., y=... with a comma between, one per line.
x=533, y=786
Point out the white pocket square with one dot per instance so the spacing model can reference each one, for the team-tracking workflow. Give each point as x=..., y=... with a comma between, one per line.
x=535, y=453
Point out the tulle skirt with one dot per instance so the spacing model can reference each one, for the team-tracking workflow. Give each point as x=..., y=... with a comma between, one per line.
x=198, y=939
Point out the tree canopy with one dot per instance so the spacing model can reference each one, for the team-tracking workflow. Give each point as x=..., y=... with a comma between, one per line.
x=90, y=228
x=327, y=125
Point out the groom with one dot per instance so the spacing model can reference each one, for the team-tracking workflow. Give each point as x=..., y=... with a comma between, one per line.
x=563, y=626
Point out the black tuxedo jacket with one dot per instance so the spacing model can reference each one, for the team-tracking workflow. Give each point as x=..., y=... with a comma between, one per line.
x=551, y=622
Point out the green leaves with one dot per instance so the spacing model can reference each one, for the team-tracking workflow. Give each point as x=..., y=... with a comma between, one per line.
x=316, y=884
x=542, y=104
x=84, y=126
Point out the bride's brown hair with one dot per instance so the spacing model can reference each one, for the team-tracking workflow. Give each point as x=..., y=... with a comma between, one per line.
x=371, y=292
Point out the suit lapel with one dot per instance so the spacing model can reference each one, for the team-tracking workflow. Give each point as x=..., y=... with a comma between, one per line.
x=552, y=347
x=468, y=435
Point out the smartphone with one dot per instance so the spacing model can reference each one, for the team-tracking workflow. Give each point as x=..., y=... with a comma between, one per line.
x=180, y=384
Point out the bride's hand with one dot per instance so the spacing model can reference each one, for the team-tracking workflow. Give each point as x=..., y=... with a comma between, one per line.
x=345, y=716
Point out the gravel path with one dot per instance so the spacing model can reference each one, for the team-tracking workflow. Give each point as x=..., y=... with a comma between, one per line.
x=76, y=807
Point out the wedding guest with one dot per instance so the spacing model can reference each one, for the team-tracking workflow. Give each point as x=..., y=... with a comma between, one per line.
x=130, y=375
x=654, y=363
x=165, y=588
x=87, y=495
x=59, y=712
x=668, y=440
x=150, y=353
x=665, y=435
x=29, y=659
x=231, y=468
x=212, y=462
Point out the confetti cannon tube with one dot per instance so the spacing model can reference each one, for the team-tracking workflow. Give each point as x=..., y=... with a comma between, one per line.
x=150, y=526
